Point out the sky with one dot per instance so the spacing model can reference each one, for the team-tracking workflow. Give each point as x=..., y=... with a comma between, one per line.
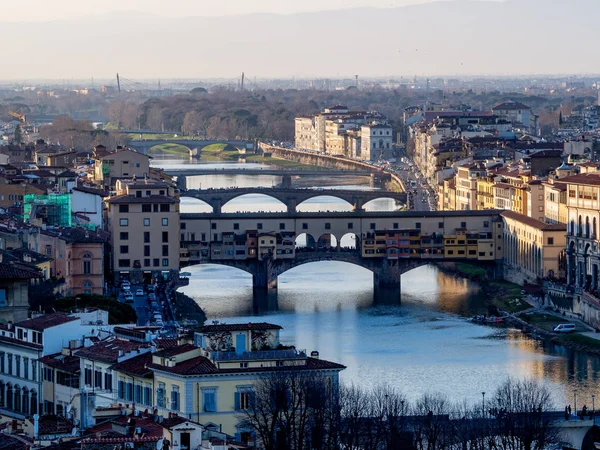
x=45, y=10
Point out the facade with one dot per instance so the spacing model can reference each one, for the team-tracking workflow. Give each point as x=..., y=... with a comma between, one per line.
x=78, y=257
x=213, y=380
x=14, y=288
x=555, y=207
x=583, y=215
x=518, y=114
x=145, y=233
x=376, y=141
x=536, y=201
x=13, y=194
x=533, y=250
x=87, y=202
x=120, y=164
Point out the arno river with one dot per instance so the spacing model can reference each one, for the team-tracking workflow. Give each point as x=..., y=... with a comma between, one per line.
x=426, y=344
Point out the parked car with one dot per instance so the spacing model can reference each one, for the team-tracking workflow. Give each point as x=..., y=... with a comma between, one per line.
x=139, y=292
x=129, y=297
x=565, y=328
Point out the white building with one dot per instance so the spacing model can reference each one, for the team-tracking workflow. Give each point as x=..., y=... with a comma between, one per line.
x=376, y=141
x=86, y=202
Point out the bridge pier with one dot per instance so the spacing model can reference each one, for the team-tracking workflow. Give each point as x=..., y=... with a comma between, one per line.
x=264, y=278
x=286, y=181
x=357, y=204
x=386, y=283
x=216, y=204
x=182, y=183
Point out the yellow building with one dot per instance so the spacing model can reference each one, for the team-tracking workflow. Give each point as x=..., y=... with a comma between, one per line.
x=212, y=381
x=485, y=193
x=532, y=249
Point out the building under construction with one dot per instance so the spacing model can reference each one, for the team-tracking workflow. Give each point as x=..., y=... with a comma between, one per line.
x=50, y=209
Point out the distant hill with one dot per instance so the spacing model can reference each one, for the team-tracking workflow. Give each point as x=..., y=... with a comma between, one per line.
x=454, y=37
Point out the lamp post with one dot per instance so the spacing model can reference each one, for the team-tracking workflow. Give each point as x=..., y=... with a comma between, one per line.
x=594, y=408
x=575, y=400
x=483, y=403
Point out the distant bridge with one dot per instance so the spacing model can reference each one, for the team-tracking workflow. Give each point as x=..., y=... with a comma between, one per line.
x=386, y=243
x=291, y=198
x=194, y=146
x=195, y=171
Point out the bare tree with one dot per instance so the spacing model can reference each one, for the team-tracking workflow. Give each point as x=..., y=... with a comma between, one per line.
x=521, y=424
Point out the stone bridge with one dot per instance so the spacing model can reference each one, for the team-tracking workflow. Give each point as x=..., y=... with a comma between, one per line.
x=195, y=146
x=291, y=198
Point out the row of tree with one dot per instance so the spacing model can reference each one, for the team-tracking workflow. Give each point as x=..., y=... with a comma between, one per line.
x=294, y=411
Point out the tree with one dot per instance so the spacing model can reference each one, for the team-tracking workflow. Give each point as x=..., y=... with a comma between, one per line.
x=519, y=408
x=18, y=134
x=293, y=410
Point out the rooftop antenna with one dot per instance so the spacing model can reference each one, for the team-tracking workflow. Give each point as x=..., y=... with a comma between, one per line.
x=356, y=78
x=242, y=81
x=118, y=84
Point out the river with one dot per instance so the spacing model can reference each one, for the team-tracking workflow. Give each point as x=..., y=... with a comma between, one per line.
x=426, y=344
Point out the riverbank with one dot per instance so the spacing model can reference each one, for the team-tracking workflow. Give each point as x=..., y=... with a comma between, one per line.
x=224, y=152
x=187, y=311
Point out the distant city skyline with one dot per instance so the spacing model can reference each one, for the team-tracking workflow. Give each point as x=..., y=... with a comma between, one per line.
x=44, y=10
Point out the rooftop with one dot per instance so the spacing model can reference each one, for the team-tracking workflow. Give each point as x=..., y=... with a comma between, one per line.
x=124, y=198
x=110, y=350
x=66, y=363
x=529, y=221
x=225, y=327
x=46, y=321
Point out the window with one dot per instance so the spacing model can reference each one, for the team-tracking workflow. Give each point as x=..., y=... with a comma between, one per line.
x=213, y=226
x=165, y=262
x=87, y=376
x=146, y=207
x=138, y=393
x=209, y=398
x=372, y=225
x=108, y=381
x=25, y=367
x=165, y=236
x=147, y=262
x=463, y=224
x=129, y=392
x=550, y=241
x=418, y=225
x=282, y=226
x=1, y=362
x=161, y=400
x=236, y=226
x=156, y=262
x=146, y=237
x=123, y=208
x=165, y=222
x=121, y=389
x=146, y=250
x=146, y=222
x=138, y=194
x=33, y=370
x=147, y=395
x=18, y=365
x=175, y=398
x=328, y=226
x=486, y=224
x=124, y=248
x=124, y=235
x=165, y=250
x=259, y=226
x=124, y=222
x=305, y=226
x=148, y=193
x=155, y=207
x=9, y=359
x=243, y=399
x=98, y=379
x=164, y=207
x=124, y=263
x=183, y=225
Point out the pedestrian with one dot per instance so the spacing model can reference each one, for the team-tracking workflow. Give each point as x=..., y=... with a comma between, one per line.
x=569, y=409
x=566, y=413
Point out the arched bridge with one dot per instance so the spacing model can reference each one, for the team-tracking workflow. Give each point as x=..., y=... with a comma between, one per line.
x=291, y=198
x=195, y=146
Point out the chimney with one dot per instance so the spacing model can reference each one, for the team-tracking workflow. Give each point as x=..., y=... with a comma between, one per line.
x=314, y=354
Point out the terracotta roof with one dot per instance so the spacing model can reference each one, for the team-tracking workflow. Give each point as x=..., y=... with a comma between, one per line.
x=66, y=363
x=256, y=326
x=163, y=343
x=11, y=272
x=14, y=341
x=50, y=424
x=46, y=321
x=511, y=105
x=172, y=351
x=149, y=199
x=583, y=178
x=136, y=366
x=533, y=222
x=203, y=366
x=546, y=154
x=110, y=350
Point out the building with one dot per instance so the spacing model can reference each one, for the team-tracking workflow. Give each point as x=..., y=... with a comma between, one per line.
x=555, y=206
x=121, y=164
x=78, y=257
x=583, y=215
x=533, y=250
x=13, y=194
x=22, y=344
x=87, y=203
x=222, y=368
x=519, y=114
x=376, y=141
x=145, y=233
x=14, y=291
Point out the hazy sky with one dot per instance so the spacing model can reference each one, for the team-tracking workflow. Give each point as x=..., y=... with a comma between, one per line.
x=42, y=10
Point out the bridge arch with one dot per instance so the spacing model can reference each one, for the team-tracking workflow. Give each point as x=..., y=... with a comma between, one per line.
x=327, y=241
x=311, y=203
x=350, y=241
x=305, y=241
x=194, y=205
x=384, y=201
x=167, y=148
x=233, y=203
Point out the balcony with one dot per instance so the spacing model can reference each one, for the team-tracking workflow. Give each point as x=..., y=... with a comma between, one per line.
x=258, y=355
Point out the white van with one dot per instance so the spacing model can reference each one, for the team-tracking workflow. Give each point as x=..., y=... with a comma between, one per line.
x=565, y=328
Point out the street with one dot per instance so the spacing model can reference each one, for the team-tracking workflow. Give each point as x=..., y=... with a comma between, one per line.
x=423, y=197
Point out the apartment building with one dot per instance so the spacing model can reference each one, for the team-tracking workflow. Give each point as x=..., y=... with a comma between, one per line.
x=122, y=163
x=145, y=233
x=14, y=289
x=555, y=204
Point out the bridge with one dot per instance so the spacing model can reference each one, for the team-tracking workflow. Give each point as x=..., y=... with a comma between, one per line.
x=388, y=244
x=291, y=198
x=195, y=146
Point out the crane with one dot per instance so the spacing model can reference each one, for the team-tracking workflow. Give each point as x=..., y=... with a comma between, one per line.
x=21, y=117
